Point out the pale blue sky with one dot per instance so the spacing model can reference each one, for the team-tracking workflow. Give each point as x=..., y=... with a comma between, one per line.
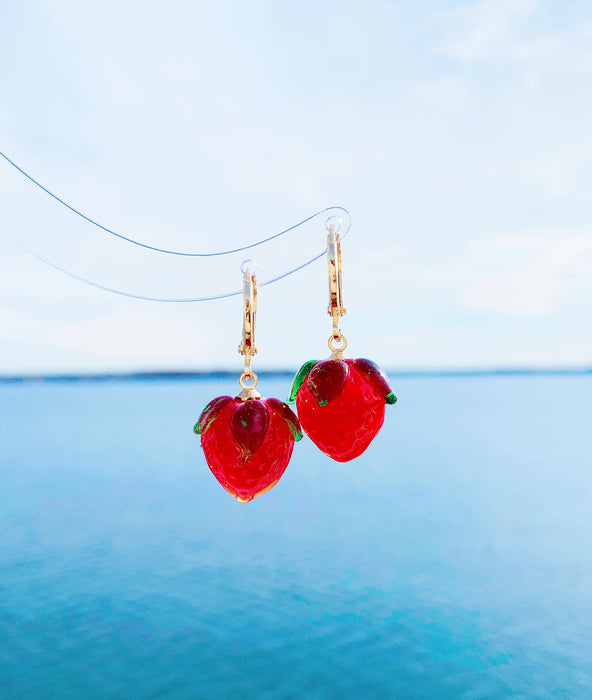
x=458, y=134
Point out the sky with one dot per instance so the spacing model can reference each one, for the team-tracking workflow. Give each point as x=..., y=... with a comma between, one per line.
x=457, y=134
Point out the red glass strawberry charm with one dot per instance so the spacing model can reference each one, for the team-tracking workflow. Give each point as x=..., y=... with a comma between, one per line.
x=341, y=404
x=247, y=442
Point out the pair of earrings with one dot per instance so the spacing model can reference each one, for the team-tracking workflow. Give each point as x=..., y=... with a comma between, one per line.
x=248, y=440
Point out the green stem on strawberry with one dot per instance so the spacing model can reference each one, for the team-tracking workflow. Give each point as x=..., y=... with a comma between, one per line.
x=301, y=375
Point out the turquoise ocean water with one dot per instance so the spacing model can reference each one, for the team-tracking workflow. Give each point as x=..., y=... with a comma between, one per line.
x=452, y=560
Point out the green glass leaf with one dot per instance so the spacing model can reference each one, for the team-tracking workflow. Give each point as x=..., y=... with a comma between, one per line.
x=377, y=378
x=303, y=372
x=209, y=414
x=288, y=416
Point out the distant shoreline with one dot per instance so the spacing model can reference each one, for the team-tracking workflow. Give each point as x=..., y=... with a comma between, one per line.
x=283, y=374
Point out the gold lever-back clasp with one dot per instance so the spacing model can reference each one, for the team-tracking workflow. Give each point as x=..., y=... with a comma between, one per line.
x=247, y=346
x=336, y=308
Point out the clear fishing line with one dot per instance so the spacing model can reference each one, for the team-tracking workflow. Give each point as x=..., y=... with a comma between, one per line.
x=125, y=265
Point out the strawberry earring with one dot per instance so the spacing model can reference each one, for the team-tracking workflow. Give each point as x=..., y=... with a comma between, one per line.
x=248, y=440
x=340, y=402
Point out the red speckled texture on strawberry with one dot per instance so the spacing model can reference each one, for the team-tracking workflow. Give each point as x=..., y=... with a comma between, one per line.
x=248, y=446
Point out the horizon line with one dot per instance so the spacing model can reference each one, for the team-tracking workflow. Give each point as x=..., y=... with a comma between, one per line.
x=181, y=375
